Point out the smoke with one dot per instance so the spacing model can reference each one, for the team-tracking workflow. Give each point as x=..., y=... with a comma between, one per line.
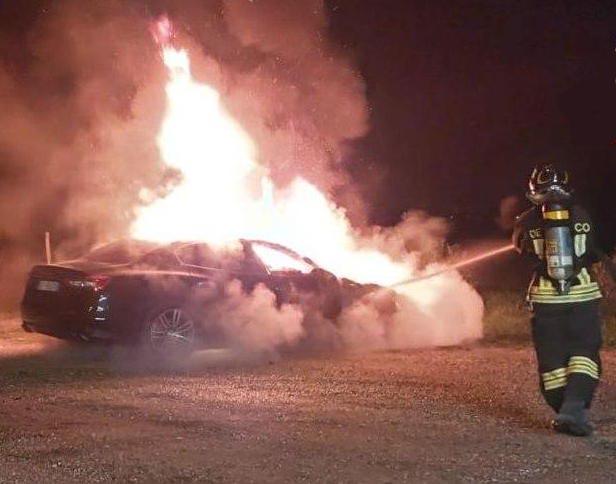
x=299, y=99
x=313, y=99
x=441, y=312
x=83, y=104
x=82, y=90
x=251, y=322
x=418, y=235
x=509, y=208
x=82, y=101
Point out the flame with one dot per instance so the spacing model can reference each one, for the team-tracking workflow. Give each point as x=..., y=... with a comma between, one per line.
x=276, y=260
x=225, y=194
x=215, y=157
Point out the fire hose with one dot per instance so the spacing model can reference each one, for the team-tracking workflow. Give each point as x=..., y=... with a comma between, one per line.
x=457, y=265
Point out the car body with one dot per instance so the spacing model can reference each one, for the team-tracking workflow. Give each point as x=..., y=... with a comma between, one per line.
x=135, y=291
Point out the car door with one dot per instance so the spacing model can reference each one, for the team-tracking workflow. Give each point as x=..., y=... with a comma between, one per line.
x=216, y=267
x=289, y=276
x=201, y=261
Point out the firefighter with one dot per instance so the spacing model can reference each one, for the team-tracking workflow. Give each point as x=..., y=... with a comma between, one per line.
x=563, y=296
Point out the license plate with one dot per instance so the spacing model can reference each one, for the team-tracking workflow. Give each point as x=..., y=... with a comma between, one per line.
x=51, y=286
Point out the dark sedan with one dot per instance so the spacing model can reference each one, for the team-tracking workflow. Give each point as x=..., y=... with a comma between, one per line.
x=135, y=291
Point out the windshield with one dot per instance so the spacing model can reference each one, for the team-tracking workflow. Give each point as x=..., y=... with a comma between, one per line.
x=121, y=252
x=280, y=259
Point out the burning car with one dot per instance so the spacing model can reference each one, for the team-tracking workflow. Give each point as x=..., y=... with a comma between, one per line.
x=143, y=292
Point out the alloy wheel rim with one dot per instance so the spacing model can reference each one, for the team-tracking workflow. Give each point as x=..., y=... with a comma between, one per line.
x=172, y=329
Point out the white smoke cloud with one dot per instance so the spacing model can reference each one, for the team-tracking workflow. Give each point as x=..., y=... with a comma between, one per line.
x=252, y=322
x=442, y=311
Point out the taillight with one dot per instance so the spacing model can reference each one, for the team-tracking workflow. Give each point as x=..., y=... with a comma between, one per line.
x=99, y=282
x=96, y=282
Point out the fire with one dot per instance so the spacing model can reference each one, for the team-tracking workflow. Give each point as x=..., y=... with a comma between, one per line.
x=278, y=261
x=225, y=194
x=215, y=157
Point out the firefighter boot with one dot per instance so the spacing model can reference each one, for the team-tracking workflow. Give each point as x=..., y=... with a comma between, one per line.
x=572, y=419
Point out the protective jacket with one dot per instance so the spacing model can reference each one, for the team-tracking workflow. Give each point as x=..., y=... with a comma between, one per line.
x=529, y=237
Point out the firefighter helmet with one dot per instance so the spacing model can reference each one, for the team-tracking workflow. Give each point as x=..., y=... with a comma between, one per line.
x=548, y=183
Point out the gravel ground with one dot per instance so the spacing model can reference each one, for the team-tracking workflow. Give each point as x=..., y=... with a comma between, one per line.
x=465, y=414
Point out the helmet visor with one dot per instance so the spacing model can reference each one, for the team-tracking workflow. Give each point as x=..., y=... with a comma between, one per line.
x=552, y=193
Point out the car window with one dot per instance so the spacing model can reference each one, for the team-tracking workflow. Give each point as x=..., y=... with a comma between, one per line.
x=200, y=255
x=279, y=259
x=159, y=259
x=233, y=259
x=120, y=252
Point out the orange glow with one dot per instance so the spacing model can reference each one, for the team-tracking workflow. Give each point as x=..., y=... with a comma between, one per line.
x=276, y=260
x=215, y=157
x=225, y=194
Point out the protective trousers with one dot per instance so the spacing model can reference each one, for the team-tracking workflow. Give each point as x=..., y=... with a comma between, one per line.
x=567, y=339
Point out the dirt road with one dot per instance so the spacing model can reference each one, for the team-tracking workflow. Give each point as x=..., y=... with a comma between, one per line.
x=473, y=414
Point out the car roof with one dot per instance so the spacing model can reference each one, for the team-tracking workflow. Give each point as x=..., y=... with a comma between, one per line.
x=122, y=248
x=173, y=246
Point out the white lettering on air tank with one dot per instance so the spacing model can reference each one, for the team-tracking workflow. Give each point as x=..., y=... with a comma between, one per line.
x=579, y=243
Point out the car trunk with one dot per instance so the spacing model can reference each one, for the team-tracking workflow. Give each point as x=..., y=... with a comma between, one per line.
x=58, y=299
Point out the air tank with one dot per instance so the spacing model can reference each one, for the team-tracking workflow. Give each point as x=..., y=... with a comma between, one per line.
x=558, y=246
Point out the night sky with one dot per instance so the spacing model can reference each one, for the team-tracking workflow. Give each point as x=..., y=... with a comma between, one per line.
x=466, y=96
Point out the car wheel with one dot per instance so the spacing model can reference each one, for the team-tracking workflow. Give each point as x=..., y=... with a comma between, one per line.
x=170, y=331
